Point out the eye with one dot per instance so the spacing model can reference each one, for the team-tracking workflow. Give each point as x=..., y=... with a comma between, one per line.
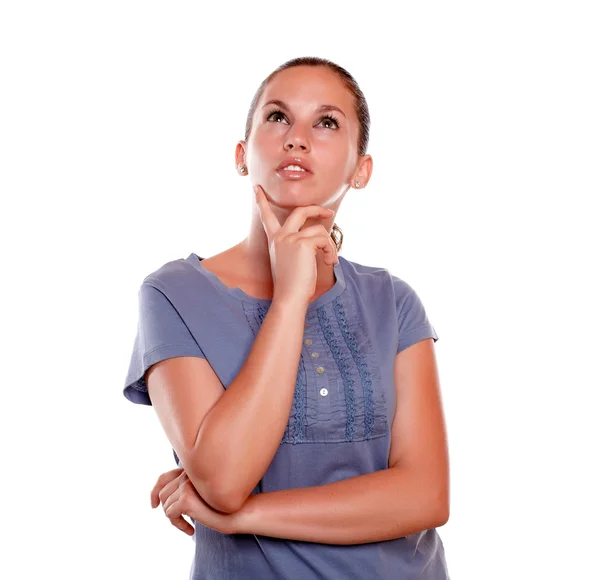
x=275, y=113
x=331, y=120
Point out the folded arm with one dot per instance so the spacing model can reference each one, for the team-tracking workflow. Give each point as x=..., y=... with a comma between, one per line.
x=410, y=496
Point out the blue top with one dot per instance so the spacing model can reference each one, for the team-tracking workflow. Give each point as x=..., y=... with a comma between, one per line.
x=342, y=411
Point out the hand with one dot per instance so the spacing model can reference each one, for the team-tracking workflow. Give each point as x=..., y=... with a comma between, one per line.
x=179, y=497
x=293, y=252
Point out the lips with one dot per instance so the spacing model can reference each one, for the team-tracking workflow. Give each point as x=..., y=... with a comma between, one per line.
x=294, y=161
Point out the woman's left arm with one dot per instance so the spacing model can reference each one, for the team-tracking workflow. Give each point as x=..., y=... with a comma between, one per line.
x=410, y=496
x=383, y=505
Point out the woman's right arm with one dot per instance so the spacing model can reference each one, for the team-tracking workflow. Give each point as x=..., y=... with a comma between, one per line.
x=226, y=438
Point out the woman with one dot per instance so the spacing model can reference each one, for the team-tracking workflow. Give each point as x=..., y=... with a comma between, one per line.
x=298, y=389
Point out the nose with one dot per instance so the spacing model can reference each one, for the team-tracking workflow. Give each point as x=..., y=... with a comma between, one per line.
x=290, y=145
x=296, y=141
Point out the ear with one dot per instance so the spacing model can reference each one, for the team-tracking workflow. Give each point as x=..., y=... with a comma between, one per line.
x=240, y=154
x=363, y=171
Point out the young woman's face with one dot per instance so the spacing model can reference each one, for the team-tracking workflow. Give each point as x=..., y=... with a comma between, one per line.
x=300, y=129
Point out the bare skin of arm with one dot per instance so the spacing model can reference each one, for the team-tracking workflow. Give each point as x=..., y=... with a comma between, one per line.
x=226, y=439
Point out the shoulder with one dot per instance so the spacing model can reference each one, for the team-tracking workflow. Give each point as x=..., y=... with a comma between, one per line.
x=171, y=274
x=375, y=276
x=402, y=289
x=375, y=279
x=364, y=275
x=180, y=283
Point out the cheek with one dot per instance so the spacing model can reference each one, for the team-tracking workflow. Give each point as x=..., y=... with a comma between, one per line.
x=267, y=139
x=261, y=151
x=271, y=131
x=333, y=159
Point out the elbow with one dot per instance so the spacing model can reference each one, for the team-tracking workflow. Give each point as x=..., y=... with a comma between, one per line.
x=442, y=517
x=213, y=492
x=225, y=500
x=442, y=509
x=230, y=507
x=219, y=495
x=217, y=491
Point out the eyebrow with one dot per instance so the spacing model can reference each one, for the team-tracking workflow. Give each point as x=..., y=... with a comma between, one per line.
x=318, y=110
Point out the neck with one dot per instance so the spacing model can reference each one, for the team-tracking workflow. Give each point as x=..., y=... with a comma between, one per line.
x=253, y=252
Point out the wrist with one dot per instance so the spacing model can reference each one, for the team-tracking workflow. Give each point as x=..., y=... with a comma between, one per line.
x=287, y=303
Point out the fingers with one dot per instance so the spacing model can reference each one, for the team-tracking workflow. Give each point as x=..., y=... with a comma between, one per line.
x=166, y=490
x=319, y=236
x=295, y=220
x=174, y=510
x=299, y=216
x=269, y=220
x=183, y=525
x=171, y=487
x=163, y=480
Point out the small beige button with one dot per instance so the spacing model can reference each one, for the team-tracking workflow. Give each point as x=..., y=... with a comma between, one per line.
x=315, y=355
x=308, y=341
x=320, y=370
x=324, y=392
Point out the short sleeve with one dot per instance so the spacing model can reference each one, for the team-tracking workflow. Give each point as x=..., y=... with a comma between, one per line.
x=413, y=323
x=161, y=334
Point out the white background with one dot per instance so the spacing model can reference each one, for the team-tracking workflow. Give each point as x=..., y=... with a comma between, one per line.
x=118, y=125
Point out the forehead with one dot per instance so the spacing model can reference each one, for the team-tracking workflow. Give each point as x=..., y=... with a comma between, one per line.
x=306, y=88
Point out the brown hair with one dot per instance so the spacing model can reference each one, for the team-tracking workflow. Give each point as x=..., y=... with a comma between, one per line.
x=360, y=104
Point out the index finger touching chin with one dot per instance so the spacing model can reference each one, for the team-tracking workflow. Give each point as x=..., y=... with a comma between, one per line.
x=269, y=220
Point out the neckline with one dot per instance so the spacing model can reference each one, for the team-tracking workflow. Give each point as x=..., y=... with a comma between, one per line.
x=329, y=296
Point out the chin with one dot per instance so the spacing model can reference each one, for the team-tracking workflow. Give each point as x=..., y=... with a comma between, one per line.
x=289, y=197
